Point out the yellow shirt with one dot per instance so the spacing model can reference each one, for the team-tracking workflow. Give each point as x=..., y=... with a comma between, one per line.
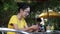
x=14, y=20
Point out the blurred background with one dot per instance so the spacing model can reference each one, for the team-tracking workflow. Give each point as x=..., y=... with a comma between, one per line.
x=9, y=8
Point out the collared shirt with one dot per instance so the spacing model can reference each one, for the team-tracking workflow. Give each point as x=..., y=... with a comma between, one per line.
x=14, y=20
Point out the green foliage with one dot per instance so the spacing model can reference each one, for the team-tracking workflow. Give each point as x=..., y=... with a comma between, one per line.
x=8, y=8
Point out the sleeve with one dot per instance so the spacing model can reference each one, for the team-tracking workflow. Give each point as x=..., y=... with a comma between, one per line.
x=13, y=20
x=25, y=24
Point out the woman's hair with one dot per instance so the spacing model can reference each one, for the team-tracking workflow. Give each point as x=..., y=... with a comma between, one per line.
x=22, y=6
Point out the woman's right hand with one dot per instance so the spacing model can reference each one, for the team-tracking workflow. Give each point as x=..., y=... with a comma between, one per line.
x=35, y=27
x=32, y=28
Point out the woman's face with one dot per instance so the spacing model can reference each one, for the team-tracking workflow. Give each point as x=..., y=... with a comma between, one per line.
x=26, y=12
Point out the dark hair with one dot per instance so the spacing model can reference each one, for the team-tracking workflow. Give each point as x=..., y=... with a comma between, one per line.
x=38, y=19
x=22, y=6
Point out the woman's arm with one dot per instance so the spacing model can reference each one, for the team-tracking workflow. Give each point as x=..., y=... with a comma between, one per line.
x=32, y=28
x=15, y=27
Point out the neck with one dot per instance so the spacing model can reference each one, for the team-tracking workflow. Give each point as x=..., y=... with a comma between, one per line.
x=19, y=16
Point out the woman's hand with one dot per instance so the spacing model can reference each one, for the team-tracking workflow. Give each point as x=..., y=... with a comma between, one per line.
x=32, y=28
x=35, y=27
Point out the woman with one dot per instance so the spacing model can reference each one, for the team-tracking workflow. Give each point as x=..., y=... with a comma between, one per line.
x=17, y=21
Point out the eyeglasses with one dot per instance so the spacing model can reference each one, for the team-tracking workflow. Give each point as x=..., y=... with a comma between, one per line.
x=27, y=11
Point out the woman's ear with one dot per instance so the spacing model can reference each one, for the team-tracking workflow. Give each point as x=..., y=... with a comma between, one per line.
x=21, y=10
